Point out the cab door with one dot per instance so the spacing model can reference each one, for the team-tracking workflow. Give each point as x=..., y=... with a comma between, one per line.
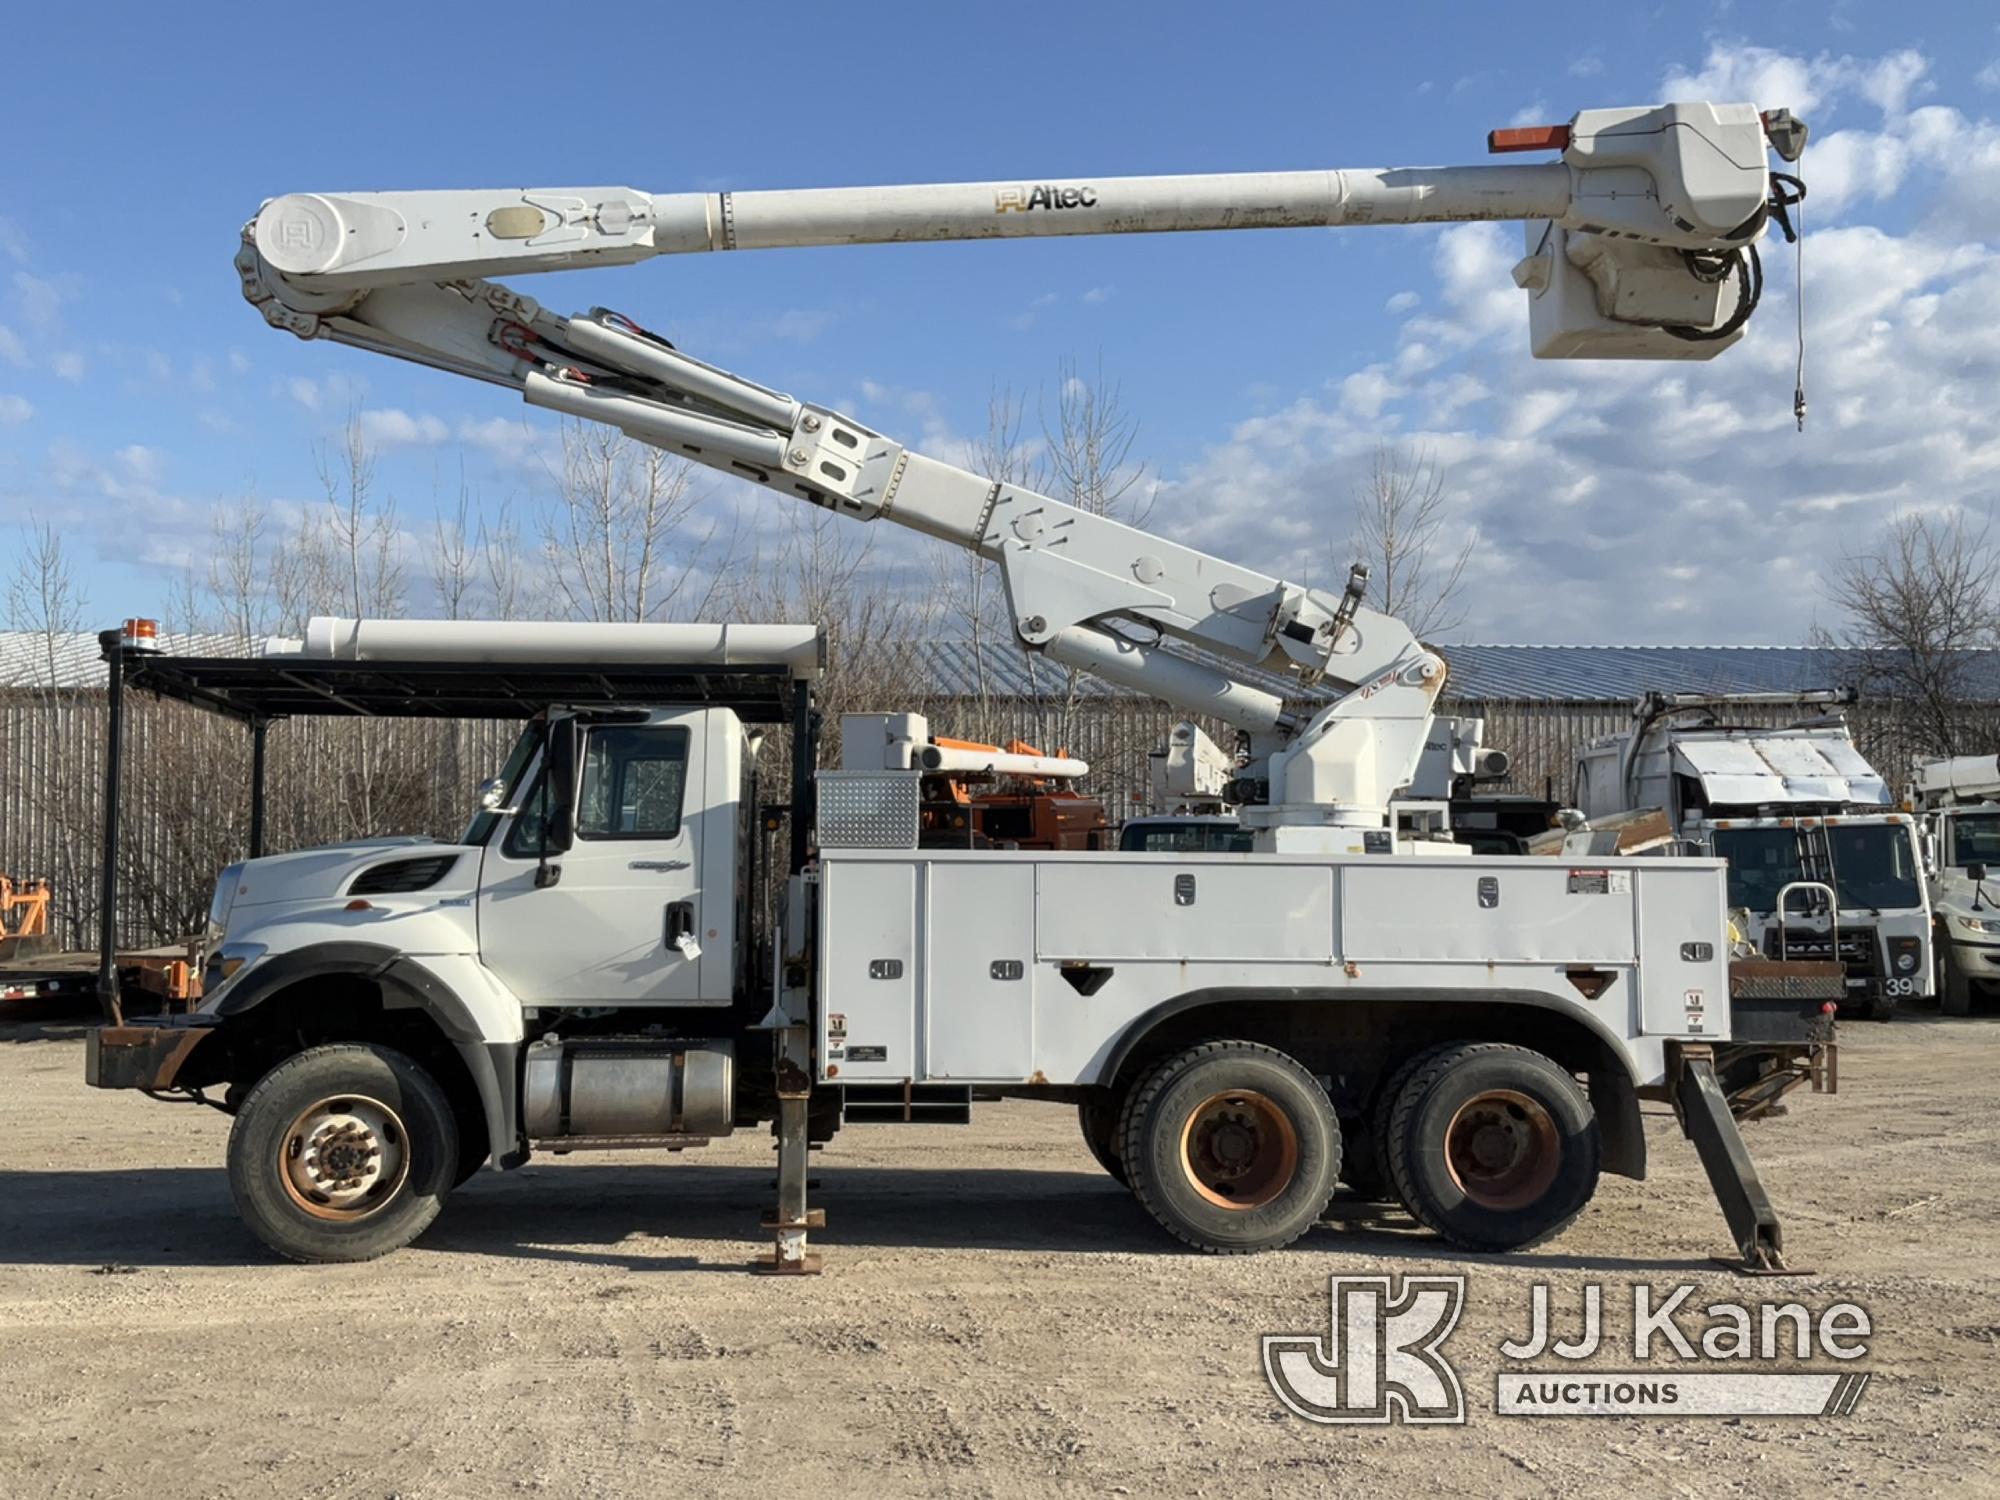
x=607, y=927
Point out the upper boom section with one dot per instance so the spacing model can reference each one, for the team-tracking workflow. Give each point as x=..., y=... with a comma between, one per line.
x=1612, y=225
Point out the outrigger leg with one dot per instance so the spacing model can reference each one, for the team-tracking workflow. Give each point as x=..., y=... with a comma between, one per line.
x=1705, y=1119
x=792, y=1220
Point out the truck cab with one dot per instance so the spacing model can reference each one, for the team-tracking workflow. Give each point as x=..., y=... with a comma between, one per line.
x=1821, y=864
x=1959, y=797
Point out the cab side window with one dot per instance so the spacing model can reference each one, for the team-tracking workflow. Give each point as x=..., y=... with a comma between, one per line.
x=634, y=783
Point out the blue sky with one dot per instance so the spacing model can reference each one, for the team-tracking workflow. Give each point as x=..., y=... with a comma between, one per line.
x=137, y=390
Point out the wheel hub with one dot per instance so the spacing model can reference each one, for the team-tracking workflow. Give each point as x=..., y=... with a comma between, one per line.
x=1239, y=1150
x=1502, y=1149
x=344, y=1158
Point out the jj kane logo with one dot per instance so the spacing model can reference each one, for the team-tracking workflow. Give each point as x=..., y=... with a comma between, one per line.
x=1382, y=1358
x=1043, y=195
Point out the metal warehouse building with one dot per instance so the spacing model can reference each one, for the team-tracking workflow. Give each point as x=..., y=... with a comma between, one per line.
x=328, y=779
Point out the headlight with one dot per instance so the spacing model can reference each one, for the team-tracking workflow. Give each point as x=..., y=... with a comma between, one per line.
x=1978, y=924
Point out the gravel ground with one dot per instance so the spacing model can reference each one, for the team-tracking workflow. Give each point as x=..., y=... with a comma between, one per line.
x=997, y=1318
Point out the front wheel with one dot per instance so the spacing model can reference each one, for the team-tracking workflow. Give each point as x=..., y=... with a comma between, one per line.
x=1493, y=1147
x=1955, y=988
x=1232, y=1146
x=342, y=1153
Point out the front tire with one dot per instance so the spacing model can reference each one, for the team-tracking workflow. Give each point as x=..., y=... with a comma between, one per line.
x=1955, y=991
x=1493, y=1147
x=1232, y=1146
x=342, y=1153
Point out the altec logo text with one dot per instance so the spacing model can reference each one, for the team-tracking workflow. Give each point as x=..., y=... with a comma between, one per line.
x=1021, y=200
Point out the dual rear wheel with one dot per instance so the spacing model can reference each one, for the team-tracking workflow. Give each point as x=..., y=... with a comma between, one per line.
x=1234, y=1146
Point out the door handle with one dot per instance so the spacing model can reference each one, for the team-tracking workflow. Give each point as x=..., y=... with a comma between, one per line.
x=680, y=929
x=657, y=864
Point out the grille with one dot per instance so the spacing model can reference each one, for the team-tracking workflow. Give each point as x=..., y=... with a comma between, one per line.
x=1857, y=950
x=867, y=809
x=399, y=876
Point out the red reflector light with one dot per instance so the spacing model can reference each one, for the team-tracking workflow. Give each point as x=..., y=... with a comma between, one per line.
x=359, y=905
x=1529, y=138
x=1828, y=1009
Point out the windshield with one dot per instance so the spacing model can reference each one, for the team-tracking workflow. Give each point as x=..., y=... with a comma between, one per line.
x=1874, y=864
x=483, y=820
x=1762, y=862
x=1871, y=865
x=1972, y=839
x=1185, y=838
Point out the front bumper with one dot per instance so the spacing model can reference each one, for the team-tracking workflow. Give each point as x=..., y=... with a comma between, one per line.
x=142, y=1057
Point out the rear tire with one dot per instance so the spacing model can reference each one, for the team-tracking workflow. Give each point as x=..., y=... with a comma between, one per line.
x=1232, y=1146
x=342, y=1153
x=1098, y=1115
x=1493, y=1147
x=1368, y=1158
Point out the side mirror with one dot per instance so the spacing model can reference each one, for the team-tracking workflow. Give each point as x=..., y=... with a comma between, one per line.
x=492, y=796
x=1975, y=872
x=563, y=750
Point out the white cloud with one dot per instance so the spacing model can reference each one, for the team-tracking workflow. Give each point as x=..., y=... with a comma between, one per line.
x=392, y=427
x=12, y=349
x=305, y=391
x=799, y=325
x=1402, y=302
x=1587, y=66
x=1988, y=77
x=1097, y=295
x=1637, y=502
x=69, y=364
x=15, y=409
x=1535, y=113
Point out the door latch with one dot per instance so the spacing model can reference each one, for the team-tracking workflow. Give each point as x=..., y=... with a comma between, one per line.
x=680, y=929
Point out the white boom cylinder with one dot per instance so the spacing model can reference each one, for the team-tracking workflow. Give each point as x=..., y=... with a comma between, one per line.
x=1001, y=762
x=1147, y=669
x=569, y=642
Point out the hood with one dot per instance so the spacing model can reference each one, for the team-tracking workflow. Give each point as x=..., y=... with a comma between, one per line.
x=305, y=874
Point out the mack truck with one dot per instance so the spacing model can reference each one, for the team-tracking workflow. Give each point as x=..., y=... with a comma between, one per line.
x=590, y=965
x=1821, y=863
x=1959, y=799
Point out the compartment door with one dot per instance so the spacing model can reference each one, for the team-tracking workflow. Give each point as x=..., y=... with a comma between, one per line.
x=979, y=1007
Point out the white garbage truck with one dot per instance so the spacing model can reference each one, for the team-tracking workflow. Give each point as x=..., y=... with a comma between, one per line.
x=1821, y=863
x=1959, y=798
x=589, y=965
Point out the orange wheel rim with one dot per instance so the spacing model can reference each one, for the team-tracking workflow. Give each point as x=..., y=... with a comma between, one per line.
x=1502, y=1149
x=1239, y=1150
x=344, y=1157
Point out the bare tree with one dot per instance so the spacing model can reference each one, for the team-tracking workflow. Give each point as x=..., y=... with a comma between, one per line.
x=1090, y=439
x=1404, y=531
x=366, y=544
x=499, y=547
x=453, y=556
x=47, y=603
x=1920, y=601
x=617, y=539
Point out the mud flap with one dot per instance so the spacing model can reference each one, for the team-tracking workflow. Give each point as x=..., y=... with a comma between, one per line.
x=1706, y=1120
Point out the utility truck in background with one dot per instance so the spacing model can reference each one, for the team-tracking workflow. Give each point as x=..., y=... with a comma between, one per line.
x=590, y=966
x=1821, y=863
x=1959, y=800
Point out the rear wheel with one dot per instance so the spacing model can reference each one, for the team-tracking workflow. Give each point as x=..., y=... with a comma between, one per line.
x=1098, y=1115
x=341, y=1153
x=1493, y=1147
x=1232, y=1146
